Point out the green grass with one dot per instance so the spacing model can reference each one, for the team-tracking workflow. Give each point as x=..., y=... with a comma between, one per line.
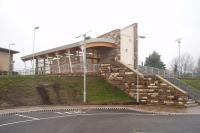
x=192, y=82
x=21, y=91
x=100, y=92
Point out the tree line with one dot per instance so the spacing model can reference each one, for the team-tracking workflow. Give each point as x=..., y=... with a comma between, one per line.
x=187, y=63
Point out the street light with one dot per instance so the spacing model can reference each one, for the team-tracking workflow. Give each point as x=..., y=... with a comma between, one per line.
x=9, y=65
x=142, y=37
x=137, y=82
x=178, y=40
x=84, y=64
x=35, y=28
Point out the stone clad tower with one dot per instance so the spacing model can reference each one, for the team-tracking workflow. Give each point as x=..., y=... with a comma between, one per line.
x=127, y=44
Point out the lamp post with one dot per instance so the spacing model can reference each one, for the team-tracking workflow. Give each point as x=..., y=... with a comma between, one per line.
x=9, y=65
x=84, y=65
x=178, y=40
x=137, y=80
x=142, y=37
x=35, y=28
x=137, y=89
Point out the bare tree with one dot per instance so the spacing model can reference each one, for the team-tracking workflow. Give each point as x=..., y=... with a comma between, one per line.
x=187, y=64
x=174, y=65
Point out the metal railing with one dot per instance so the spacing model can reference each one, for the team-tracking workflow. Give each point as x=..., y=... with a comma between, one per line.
x=171, y=77
x=27, y=71
x=7, y=73
x=165, y=73
x=153, y=70
x=64, y=69
x=192, y=92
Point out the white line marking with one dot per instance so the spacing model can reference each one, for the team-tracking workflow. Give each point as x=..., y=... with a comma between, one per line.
x=68, y=113
x=79, y=112
x=59, y=113
x=12, y=123
x=27, y=117
x=75, y=112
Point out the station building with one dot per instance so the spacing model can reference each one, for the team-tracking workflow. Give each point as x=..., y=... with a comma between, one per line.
x=119, y=44
x=114, y=57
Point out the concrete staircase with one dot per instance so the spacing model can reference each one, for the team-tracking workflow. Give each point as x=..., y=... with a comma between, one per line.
x=152, y=89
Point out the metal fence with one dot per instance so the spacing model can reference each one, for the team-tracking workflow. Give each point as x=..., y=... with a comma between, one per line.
x=153, y=70
x=190, y=75
x=27, y=71
x=165, y=73
x=64, y=69
x=171, y=77
x=8, y=73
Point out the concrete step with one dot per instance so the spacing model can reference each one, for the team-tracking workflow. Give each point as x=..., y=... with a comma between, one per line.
x=191, y=103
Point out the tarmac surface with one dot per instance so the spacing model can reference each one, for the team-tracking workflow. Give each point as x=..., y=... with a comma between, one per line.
x=97, y=120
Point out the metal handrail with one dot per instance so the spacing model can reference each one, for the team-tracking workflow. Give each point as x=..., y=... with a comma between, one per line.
x=156, y=71
x=170, y=77
x=192, y=92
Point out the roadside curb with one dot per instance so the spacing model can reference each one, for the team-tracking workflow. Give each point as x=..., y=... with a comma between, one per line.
x=163, y=113
x=65, y=109
x=96, y=108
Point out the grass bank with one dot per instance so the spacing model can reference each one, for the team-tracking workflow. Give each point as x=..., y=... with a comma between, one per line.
x=192, y=82
x=38, y=90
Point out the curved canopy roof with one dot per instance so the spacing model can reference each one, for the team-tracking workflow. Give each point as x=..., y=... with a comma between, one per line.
x=94, y=42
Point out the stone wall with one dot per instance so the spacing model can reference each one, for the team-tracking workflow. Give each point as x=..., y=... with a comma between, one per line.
x=115, y=35
x=114, y=53
x=152, y=89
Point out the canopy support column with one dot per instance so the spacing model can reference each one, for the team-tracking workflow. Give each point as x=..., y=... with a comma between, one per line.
x=70, y=63
x=36, y=66
x=44, y=65
x=58, y=62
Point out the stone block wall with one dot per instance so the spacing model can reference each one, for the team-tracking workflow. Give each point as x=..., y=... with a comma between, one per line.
x=115, y=35
x=152, y=89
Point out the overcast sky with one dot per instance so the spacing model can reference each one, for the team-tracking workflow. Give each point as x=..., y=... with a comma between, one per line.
x=60, y=21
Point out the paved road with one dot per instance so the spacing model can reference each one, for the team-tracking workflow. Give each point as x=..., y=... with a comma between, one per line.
x=98, y=121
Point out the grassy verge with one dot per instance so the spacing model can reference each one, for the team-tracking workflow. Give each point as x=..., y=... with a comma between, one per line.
x=23, y=91
x=192, y=82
